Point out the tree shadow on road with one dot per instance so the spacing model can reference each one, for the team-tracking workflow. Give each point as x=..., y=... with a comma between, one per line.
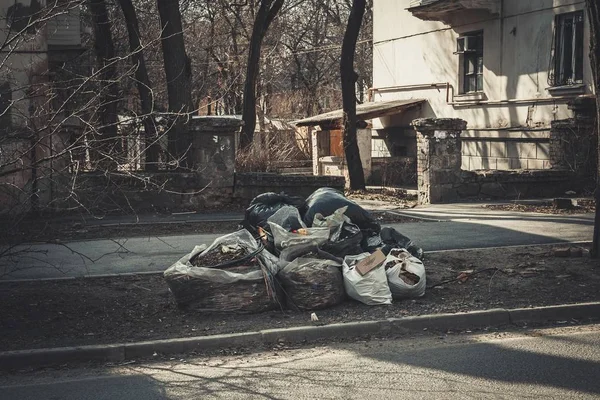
x=495, y=362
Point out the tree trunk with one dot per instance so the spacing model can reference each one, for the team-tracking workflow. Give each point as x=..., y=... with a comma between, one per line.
x=266, y=14
x=349, y=78
x=179, y=81
x=105, y=141
x=593, y=10
x=144, y=86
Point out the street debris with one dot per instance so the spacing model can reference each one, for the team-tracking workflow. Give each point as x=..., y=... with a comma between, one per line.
x=312, y=281
x=406, y=274
x=371, y=288
x=567, y=252
x=234, y=274
x=304, y=255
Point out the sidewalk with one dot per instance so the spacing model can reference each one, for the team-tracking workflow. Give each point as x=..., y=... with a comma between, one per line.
x=477, y=211
x=462, y=226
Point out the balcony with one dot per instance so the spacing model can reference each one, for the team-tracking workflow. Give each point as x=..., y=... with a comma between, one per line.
x=448, y=11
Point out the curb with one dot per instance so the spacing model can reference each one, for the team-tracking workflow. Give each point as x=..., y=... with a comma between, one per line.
x=71, y=278
x=19, y=359
x=516, y=246
x=408, y=215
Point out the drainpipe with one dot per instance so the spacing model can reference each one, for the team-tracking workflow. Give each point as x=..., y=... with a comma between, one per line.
x=399, y=88
x=450, y=95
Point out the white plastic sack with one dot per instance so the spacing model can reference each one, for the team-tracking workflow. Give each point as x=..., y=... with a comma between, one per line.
x=405, y=262
x=371, y=289
x=241, y=238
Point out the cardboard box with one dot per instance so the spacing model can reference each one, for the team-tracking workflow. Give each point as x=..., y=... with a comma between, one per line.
x=368, y=264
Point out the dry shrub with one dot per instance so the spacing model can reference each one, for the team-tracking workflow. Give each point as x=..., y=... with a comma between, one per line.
x=399, y=172
x=265, y=154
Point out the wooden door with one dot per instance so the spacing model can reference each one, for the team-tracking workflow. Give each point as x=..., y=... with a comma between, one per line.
x=336, y=143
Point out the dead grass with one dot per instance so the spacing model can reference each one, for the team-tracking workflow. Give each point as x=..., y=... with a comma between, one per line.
x=265, y=153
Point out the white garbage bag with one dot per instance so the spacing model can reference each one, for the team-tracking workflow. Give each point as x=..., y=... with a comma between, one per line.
x=405, y=274
x=371, y=289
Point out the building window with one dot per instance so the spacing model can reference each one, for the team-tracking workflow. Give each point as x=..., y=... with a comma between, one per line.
x=568, y=50
x=470, y=49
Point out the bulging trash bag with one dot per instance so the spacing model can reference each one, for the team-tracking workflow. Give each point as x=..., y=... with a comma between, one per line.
x=283, y=239
x=288, y=217
x=311, y=279
x=372, y=288
x=345, y=237
x=405, y=273
x=293, y=232
x=391, y=238
x=262, y=207
x=371, y=242
x=326, y=201
x=234, y=274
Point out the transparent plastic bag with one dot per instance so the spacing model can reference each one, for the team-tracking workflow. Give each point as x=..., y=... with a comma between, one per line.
x=247, y=287
x=286, y=236
x=312, y=283
x=345, y=237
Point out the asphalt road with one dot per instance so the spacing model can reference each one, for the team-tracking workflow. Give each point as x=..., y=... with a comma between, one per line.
x=461, y=227
x=555, y=363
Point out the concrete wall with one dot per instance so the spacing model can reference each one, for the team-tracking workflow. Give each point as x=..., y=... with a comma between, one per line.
x=509, y=123
x=250, y=185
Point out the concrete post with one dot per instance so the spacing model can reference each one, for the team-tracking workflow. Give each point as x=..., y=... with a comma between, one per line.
x=315, y=151
x=439, y=158
x=214, y=147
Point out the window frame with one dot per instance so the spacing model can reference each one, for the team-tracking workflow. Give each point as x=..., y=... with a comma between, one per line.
x=474, y=59
x=568, y=72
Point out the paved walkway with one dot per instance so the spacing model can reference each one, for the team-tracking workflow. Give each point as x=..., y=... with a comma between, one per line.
x=461, y=227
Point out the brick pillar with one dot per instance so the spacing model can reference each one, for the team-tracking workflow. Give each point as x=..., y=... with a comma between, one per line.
x=439, y=158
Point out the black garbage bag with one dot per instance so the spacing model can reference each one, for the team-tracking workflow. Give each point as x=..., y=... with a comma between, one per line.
x=371, y=242
x=391, y=239
x=346, y=243
x=326, y=201
x=264, y=206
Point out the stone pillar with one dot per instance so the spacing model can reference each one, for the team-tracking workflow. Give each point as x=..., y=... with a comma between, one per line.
x=214, y=147
x=439, y=158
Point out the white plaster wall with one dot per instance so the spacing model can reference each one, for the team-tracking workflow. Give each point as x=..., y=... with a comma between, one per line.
x=409, y=51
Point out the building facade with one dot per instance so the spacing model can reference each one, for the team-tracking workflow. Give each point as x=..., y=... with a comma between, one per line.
x=509, y=68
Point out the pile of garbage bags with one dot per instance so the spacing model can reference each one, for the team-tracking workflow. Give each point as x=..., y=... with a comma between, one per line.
x=301, y=255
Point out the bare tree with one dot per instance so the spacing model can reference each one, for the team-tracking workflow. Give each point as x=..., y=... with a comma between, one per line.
x=593, y=10
x=105, y=52
x=349, y=79
x=179, y=76
x=264, y=17
x=143, y=84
